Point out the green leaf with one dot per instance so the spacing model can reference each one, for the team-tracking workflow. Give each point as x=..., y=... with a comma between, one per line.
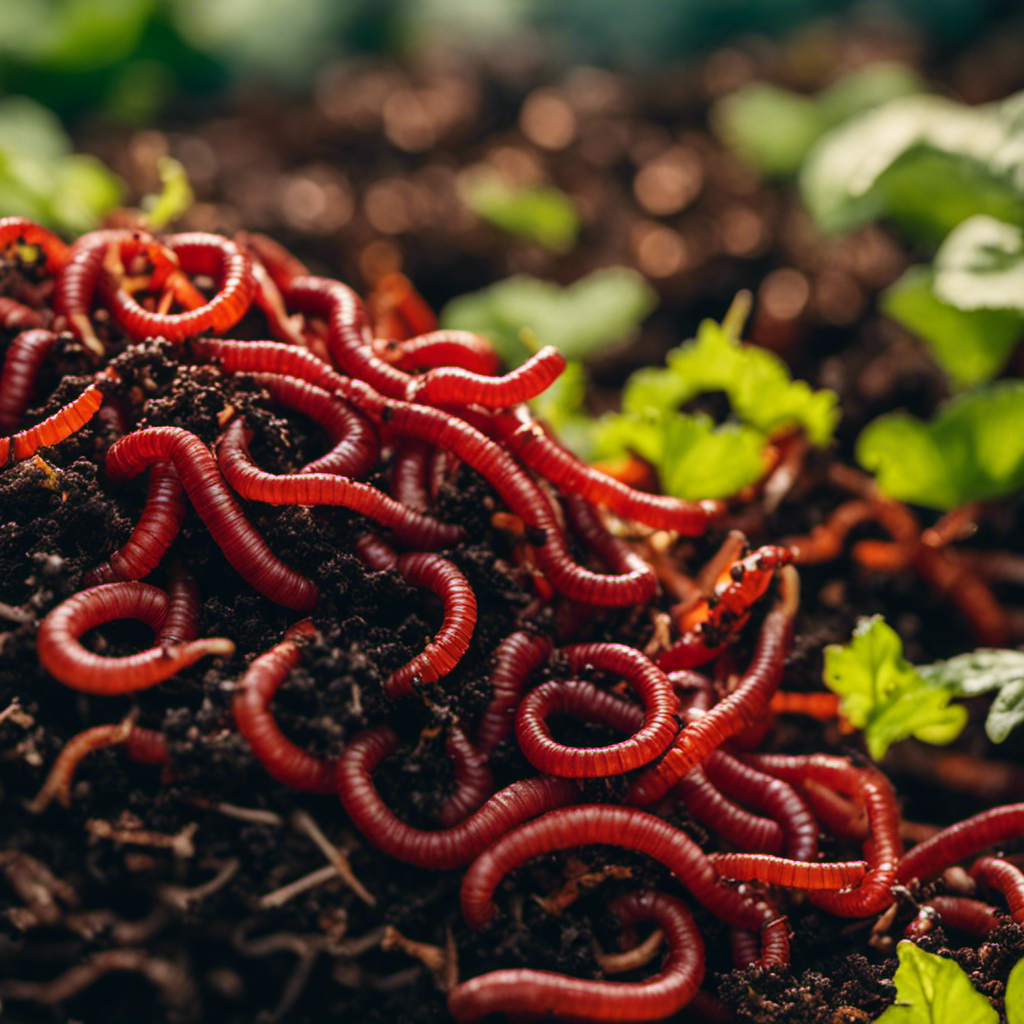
x=980, y=265
x=1015, y=995
x=972, y=346
x=883, y=694
x=983, y=671
x=540, y=213
x=174, y=198
x=84, y=190
x=972, y=451
x=773, y=128
x=757, y=383
x=582, y=320
x=933, y=990
x=30, y=129
x=925, y=161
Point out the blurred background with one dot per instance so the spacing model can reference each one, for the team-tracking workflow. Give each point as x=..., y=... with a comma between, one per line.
x=466, y=142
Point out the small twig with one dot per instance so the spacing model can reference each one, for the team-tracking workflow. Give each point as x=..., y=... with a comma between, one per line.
x=180, y=844
x=183, y=898
x=13, y=614
x=305, y=824
x=14, y=712
x=437, y=960
x=279, y=897
x=251, y=814
x=578, y=882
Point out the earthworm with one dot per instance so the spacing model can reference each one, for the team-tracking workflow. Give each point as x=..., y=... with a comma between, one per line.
x=740, y=709
x=964, y=839
x=268, y=357
x=451, y=385
x=611, y=825
x=142, y=745
x=882, y=846
x=349, y=338
x=199, y=253
x=271, y=304
x=967, y=915
x=771, y=796
x=826, y=540
x=736, y=825
x=409, y=475
x=518, y=655
x=398, y=310
x=787, y=873
x=445, y=651
x=154, y=533
x=254, y=484
x=374, y=552
x=16, y=316
x=1004, y=877
x=280, y=263
x=181, y=624
x=526, y=439
x=837, y=815
x=22, y=231
x=616, y=554
x=545, y=993
x=473, y=780
x=463, y=349
x=54, y=429
x=819, y=705
x=648, y=682
x=66, y=659
x=22, y=362
x=355, y=442
x=243, y=547
x=283, y=760
x=518, y=491
x=447, y=848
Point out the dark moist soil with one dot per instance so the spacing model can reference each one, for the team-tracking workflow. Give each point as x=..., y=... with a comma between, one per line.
x=361, y=182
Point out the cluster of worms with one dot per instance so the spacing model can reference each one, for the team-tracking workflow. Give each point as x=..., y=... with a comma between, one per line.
x=406, y=404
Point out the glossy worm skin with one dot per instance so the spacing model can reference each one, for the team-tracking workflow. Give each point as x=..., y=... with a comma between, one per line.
x=66, y=659
x=527, y=440
x=349, y=338
x=24, y=358
x=254, y=484
x=280, y=263
x=16, y=316
x=452, y=385
x=55, y=428
x=736, y=825
x=517, y=490
x=464, y=349
x=181, y=624
x=967, y=915
x=649, y=683
x=22, y=231
x=154, y=533
x=771, y=796
x=445, y=651
x=474, y=782
x=243, y=547
x=739, y=710
x=283, y=760
x=409, y=475
x=447, y=848
x=624, y=827
x=882, y=846
x=545, y=993
x=143, y=745
x=268, y=357
x=822, y=706
x=517, y=656
x=355, y=442
x=789, y=874
x=929, y=859
x=199, y=253
x=1004, y=877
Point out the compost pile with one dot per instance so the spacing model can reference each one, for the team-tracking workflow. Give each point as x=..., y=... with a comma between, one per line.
x=431, y=704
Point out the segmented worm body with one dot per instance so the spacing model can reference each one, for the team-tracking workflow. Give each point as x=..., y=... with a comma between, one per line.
x=243, y=547
x=1005, y=878
x=16, y=316
x=63, y=656
x=544, y=993
x=22, y=362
